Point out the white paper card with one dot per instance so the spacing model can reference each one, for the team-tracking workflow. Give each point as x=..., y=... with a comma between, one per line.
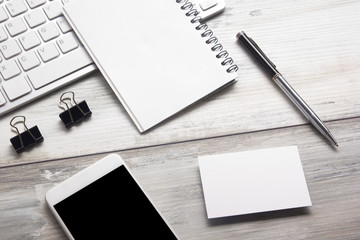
x=253, y=181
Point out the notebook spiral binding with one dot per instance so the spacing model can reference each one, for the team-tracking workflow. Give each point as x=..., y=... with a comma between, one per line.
x=208, y=33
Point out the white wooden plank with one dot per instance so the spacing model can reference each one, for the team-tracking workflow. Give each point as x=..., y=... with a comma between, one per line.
x=170, y=175
x=315, y=45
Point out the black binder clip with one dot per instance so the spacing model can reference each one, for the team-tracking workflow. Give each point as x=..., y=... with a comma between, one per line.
x=76, y=113
x=25, y=139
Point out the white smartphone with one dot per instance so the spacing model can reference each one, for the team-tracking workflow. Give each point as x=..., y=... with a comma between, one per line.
x=208, y=8
x=104, y=201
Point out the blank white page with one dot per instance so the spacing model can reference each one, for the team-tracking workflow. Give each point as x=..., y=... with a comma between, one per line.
x=150, y=53
x=253, y=181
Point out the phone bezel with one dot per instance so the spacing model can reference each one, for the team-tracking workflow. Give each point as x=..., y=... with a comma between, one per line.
x=83, y=179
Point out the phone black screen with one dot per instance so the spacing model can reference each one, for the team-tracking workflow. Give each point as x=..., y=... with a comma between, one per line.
x=112, y=207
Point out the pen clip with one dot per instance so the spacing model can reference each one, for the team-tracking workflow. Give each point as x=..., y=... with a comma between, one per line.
x=262, y=53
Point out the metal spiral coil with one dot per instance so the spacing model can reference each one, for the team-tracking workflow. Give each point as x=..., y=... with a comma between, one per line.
x=208, y=33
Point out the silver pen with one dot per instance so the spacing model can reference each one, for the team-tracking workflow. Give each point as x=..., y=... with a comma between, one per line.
x=285, y=86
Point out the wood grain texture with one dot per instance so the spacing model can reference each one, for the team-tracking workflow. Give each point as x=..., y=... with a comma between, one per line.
x=170, y=175
x=314, y=44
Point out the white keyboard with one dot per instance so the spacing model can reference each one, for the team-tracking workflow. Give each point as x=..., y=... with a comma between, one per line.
x=39, y=51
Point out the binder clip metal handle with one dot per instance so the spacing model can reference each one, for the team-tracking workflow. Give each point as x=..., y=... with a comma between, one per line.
x=27, y=138
x=74, y=114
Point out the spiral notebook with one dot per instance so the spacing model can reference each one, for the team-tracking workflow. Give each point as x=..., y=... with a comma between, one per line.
x=156, y=55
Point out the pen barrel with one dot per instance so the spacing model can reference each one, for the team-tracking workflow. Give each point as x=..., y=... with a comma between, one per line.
x=293, y=96
x=256, y=51
x=302, y=106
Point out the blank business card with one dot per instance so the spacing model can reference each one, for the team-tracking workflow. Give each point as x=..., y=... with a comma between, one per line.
x=253, y=181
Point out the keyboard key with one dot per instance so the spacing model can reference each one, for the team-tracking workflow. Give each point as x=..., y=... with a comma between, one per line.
x=37, y=47
x=63, y=25
x=16, y=7
x=10, y=48
x=2, y=99
x=9, y=69
x=29, y=40
x=58, y=68
x=53, y=10
x=15, y=26
x=3, y=15
x=35, y=18
x=35, y=3
x=16, y=88
x=29, y=60
x=67, y=43
x=48, y=52
x=3, y=35
x=48, y=32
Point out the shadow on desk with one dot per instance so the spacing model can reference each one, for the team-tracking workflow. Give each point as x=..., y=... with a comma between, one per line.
x=287, y=213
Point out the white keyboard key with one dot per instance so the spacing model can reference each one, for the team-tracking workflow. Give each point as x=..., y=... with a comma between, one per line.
x=16, y=88
x=63, y=25
x=29, y=40
x=67, y=43
x=48, y=32
x=53, y=10
x=58, y=68
x=16, y=7
x=10, y=48
x=3, y=35
x=3, y=15
x=29, y=60
x=15, y=26
x=48, y=52
x=2, y=99
x=35, y=18
x=35, y=3
x=9, y=69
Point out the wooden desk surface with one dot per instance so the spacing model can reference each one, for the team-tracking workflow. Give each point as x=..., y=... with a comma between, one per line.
x=315, y=44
